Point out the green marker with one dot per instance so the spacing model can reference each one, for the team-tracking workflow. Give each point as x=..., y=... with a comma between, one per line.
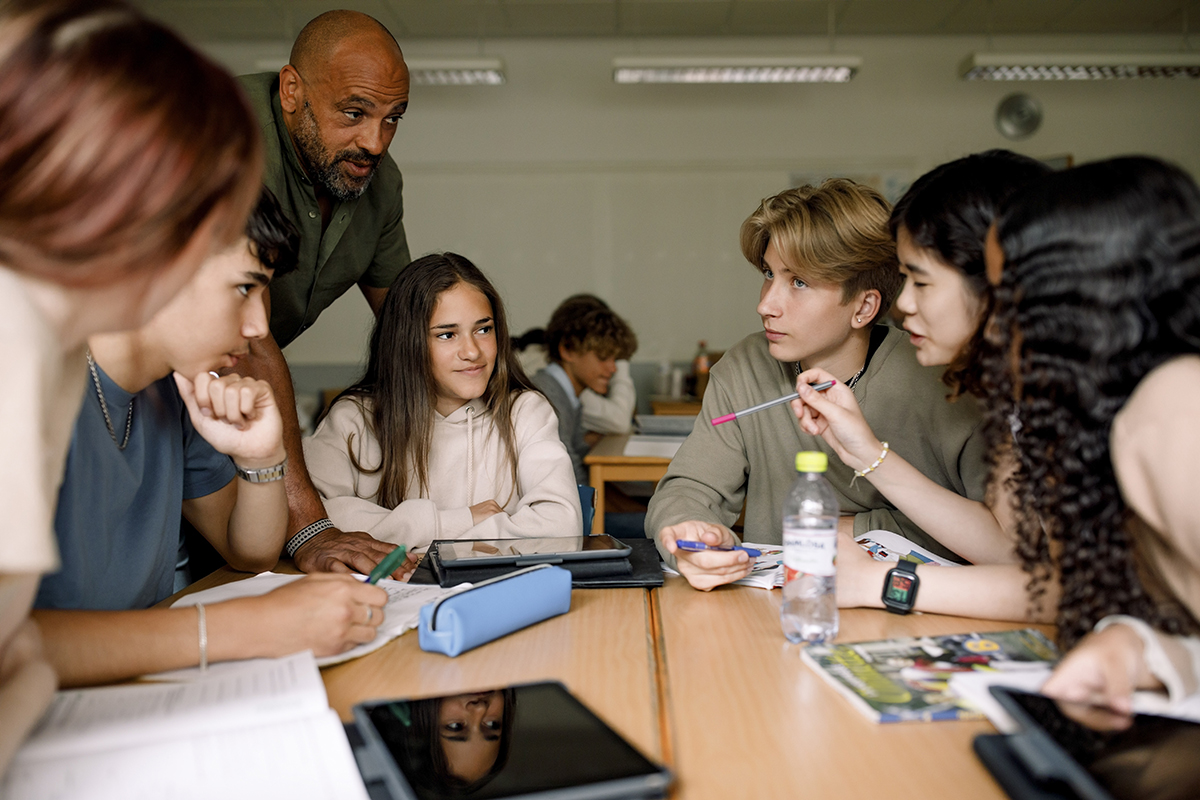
x=388, y=565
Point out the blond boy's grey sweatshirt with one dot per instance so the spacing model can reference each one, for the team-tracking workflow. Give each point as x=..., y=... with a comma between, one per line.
x=751, y=460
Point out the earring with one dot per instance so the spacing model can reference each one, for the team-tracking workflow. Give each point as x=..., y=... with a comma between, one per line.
x=859, y=319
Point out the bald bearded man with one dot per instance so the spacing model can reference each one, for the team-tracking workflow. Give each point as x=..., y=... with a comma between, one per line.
x=327, y=119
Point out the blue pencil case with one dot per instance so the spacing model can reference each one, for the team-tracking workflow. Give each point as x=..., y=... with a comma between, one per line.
x=494, y=608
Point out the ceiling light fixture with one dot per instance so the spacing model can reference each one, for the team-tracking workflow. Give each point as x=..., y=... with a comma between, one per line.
x=736, y=69
x=456, y=71
x=1078, y=66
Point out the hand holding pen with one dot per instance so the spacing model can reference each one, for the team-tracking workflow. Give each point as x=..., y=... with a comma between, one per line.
x=817, y=387
x=835, y=416
x=712, y=557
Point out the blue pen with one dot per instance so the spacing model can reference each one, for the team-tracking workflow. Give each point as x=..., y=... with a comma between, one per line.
x=695, y=547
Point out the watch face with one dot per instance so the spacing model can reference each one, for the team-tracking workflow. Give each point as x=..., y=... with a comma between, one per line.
x=899, y=588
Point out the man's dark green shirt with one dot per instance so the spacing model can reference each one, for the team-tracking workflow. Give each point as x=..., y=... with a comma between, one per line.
x=365, y=239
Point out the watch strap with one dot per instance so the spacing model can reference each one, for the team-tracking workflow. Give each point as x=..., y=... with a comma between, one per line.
x=263, y=475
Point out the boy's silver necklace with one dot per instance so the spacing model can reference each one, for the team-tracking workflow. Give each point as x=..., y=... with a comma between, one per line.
x=850, y=383
x=104, y=406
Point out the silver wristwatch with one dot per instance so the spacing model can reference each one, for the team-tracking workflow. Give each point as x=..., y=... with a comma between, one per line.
x=264, y=475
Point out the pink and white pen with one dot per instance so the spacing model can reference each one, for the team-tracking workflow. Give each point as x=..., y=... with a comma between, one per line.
x=820, y=387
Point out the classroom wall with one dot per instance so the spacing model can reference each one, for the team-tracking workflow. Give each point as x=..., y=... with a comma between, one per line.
x=561, y=181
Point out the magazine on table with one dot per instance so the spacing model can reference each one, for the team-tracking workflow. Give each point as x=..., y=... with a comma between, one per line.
x=896, y=680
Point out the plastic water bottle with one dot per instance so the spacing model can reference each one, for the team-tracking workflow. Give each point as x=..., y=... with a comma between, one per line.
x=810, y=515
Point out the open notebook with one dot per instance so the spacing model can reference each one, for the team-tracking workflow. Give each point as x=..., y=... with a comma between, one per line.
x=265, y=730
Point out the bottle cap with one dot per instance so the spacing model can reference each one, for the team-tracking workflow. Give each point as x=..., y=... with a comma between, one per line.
x=811, y=461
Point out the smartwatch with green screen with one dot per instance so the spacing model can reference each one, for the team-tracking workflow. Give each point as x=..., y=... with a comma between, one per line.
x=900, y=587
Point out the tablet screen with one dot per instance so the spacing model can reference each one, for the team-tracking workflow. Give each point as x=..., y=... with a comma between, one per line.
x=473, y=550
x=1156, y=757
x=504, y=743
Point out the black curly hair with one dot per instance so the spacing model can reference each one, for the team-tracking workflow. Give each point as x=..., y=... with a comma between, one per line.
x=1100, y=285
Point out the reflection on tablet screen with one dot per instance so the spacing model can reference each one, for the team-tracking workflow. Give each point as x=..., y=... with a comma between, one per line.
x=503, y=743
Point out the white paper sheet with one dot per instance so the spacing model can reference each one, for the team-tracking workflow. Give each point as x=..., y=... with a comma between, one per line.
x=653, y=446
x=110, y=716
x=305, y=758
x=264, y=730
x=401, y=613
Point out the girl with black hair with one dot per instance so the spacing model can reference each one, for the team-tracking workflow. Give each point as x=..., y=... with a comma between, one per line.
x=939, y=227
x=444, y=437
x=1094, y=347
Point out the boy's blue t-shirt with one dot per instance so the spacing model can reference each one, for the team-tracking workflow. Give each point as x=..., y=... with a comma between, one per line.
x=118, y=515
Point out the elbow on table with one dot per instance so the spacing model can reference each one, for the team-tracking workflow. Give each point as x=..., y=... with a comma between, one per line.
x=253, y=562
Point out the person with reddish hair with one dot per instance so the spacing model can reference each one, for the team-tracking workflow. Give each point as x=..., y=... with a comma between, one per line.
x=126, y=159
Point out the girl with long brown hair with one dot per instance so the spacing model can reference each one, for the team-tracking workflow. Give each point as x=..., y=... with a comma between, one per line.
x=444, y=437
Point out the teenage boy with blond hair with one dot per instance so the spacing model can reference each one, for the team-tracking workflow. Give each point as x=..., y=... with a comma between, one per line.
x=829, y=275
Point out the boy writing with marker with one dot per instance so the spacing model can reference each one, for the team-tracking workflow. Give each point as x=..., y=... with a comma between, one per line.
x=158, y=435
x=829, y=274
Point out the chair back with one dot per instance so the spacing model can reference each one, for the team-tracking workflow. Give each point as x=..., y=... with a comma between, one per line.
x=587, y=501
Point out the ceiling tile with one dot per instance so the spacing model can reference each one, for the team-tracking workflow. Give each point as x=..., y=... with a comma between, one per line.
x=674, y=18
x=889, y=17
x=217, y=20
x=778, y=18
x=1104, y=16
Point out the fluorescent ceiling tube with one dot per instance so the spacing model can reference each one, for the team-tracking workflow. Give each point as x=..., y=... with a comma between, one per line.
x=736, y=69
x=1078, y=66
x=456, y=71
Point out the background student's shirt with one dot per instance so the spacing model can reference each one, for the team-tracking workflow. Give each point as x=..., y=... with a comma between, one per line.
x=118, y=514
x=554, y=383
x=601, y=413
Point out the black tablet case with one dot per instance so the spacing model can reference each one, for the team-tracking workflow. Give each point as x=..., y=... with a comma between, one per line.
x=994, y=751
x=640, y=570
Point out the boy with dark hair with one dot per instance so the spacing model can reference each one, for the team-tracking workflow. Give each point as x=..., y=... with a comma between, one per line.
x=583, y=349
x=148, y=445
x=829, y=272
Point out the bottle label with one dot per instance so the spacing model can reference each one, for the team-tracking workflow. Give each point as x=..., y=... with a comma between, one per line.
x=810, y=547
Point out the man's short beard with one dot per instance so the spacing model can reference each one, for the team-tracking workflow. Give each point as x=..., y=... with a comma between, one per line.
x=323, y=168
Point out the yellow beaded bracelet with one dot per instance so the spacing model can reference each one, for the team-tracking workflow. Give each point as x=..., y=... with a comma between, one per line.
x=874, y=466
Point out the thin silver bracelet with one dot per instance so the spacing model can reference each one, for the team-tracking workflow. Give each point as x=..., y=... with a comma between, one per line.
x=203, y=638
x=306, y=533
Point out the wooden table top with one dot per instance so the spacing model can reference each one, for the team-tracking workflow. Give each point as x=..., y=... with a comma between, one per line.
x=610, y=667
x=705, y=683
x=749, y=719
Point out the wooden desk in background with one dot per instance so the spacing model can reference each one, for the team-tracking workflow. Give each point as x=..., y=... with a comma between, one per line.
x=705, y=683
x=675, y=408
x=607, y=461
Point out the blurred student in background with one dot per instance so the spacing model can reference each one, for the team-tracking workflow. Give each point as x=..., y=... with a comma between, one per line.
x=584, y=341
x=126, y=159
x=610, y=412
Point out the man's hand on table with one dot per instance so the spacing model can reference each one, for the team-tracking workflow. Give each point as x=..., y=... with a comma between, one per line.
x=707, y=569
x=333, y=550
